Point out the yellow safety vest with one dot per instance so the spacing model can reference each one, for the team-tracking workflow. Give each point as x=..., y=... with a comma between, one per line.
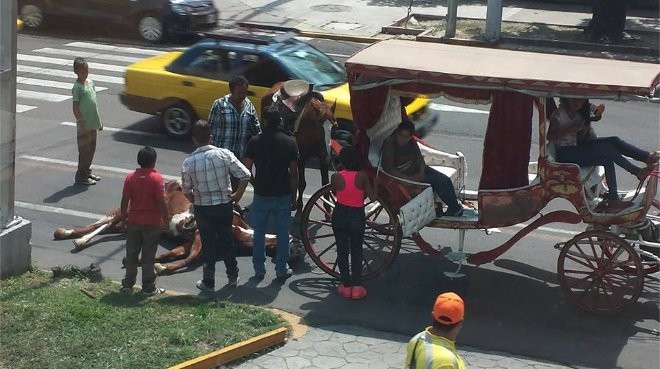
x=433, y=352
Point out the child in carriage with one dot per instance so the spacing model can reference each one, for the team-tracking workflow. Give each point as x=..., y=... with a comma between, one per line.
x=348, y=221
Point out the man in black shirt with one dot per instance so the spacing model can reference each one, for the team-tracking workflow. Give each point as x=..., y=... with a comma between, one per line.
x=275, y=156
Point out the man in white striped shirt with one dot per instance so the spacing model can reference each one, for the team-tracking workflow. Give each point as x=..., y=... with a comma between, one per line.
x=205, y=178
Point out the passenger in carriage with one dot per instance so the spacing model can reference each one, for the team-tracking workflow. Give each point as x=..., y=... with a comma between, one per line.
x=403, y=158
x=575, y=142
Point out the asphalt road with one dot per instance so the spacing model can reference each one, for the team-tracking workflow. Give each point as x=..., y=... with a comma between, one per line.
x=514, y=304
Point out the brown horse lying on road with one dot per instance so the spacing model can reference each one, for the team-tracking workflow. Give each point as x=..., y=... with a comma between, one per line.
x=182, y=227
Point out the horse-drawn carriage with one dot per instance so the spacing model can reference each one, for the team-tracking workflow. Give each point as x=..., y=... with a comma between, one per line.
x=602, y=269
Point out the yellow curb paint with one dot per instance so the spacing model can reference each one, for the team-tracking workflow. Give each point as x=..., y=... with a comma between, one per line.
x=235, y=351
x=298, y=327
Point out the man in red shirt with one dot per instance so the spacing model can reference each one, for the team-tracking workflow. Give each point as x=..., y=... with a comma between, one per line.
x=143, y=206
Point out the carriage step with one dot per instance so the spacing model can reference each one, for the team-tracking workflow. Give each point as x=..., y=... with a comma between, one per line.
x=456, y=256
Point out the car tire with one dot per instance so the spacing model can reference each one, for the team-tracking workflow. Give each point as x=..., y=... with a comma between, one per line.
x=32, y=15
x=151, y=29
x=178, y=120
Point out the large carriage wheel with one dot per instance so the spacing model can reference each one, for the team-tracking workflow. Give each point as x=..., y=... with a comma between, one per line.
x=382, y=235
x=600, y=272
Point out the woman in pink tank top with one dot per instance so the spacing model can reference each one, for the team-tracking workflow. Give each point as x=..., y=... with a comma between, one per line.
x=348, y=221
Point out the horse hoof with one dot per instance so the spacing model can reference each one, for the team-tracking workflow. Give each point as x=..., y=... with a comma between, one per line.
x=62, y=233
x=159, y=268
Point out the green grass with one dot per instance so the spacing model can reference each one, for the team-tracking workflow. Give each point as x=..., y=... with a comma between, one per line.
x=54, y=323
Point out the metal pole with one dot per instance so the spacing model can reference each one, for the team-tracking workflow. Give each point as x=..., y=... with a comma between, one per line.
x=452, y=14
x=7, y=111
x=493, y=20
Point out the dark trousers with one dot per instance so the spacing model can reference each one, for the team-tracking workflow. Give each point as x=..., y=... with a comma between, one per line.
x=86, y=149
x=214, y=224
x=348, y=226
x=141, y=239
x=605, y=151
x=443, y=187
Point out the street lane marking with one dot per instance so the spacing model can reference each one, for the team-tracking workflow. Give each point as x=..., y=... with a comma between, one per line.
x=94, y=166
x=128, y=50
x=56, y=210
x=67, y=74
x=20, y=108
x=69, y=63
x=443, y=107
x=121, y=130
x=50, y=83
x=75, y=53
x=44, y=96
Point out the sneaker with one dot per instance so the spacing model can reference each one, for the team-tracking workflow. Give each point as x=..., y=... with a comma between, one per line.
x=126, y=290
x=288, y=273
x=457, y=213
x=358, y=292
x=86, y=182
x=202, y=286
x=94, y=177
x=233, y=280
x=155, y=291
x=345, y=291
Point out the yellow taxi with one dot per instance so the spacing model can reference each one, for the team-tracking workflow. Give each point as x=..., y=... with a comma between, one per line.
x=181, y=86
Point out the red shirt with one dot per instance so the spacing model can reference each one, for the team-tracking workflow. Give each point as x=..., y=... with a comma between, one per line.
x=144, y=188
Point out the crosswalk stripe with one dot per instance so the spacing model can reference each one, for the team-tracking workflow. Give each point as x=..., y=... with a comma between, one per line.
x=128, y=50
x=35, y=95
x=75, y=53
x=49, y=83
x=69, y=63
x=20, y=108
x=67, y=74
x=121, y=130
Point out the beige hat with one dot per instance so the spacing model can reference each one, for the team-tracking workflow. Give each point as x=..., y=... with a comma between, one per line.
x=295, y=87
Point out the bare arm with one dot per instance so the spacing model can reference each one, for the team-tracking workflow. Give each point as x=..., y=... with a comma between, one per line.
x=236, y=196
x=76, y=111
x=124, y=206
x=365, y=183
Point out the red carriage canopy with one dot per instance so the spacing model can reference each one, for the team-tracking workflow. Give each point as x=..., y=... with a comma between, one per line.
x=508, y=79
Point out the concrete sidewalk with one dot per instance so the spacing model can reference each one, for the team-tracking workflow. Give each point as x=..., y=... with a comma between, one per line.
x=348, y=347
x=367, y=17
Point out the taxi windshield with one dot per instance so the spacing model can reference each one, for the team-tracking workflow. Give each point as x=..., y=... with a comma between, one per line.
x=313, y=66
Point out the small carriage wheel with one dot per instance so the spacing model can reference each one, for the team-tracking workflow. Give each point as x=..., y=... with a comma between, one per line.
x=651, y=264
x=600, y=272
x=382, y=235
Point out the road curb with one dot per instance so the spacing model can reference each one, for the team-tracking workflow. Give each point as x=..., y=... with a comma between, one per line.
x=311, y=34
x=235, y=351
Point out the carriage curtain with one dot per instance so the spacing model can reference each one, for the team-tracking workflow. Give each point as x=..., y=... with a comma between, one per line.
x=507, y=142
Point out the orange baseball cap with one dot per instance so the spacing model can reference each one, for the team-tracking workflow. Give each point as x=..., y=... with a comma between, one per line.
x=448, y=308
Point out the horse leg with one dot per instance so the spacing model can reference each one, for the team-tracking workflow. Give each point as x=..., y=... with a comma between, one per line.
x=195, y=249
x=301, y=183
x=67, y=233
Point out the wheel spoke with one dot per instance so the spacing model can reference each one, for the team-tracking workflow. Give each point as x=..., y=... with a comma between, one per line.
x=326, y=249
x=579, y=261
x=321, y=236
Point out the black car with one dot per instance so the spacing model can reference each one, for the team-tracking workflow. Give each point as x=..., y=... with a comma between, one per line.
x=155, y=20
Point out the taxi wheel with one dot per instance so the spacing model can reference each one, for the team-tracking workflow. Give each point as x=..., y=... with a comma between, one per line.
x=32, y=16
x=151, y=29
x=178, y=120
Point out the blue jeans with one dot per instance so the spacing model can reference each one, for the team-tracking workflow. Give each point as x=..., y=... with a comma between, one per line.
x=348, y=226
x=260, y=211
x=214, y=224
x=443, y=187
x=604, y=151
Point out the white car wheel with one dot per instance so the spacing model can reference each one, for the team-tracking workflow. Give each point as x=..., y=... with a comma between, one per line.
x=151, y=29
x=32, y=16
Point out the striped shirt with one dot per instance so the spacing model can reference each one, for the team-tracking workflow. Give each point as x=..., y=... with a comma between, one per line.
x=205, y=173
x=433, y=352
x=231, y=130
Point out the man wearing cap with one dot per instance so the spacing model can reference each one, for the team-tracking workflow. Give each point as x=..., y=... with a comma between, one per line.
x=286, y=101
x=233, y=119
x=435, y=347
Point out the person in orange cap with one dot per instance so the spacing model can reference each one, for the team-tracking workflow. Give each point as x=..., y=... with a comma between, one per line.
x=435, y=347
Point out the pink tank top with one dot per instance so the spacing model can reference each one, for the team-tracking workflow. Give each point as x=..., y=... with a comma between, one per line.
x=350, y=195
